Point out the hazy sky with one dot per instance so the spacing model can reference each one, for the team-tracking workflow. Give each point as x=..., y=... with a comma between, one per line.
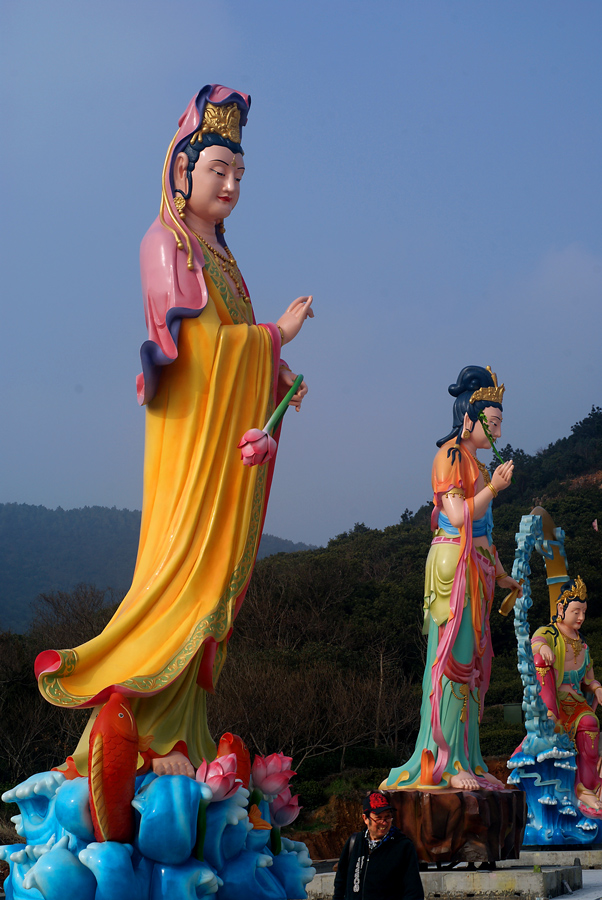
x=428, y=169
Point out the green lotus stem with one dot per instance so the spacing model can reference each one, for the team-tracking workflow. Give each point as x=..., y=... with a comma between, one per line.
x=255, y=798
x=201, y=830
x=278, y=414
x=485, y=424
x=275, y=840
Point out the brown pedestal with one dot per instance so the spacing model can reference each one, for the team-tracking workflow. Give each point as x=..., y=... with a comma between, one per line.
x=455, y=826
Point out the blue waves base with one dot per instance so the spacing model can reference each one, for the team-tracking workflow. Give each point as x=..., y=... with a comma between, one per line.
x=62, y=860
x=553, y=815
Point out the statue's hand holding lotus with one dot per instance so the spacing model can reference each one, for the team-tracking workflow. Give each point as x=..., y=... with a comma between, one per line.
x=257, y=445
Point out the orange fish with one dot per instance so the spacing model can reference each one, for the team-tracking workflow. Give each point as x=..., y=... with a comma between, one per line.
x=112, y=764
x=232, y=743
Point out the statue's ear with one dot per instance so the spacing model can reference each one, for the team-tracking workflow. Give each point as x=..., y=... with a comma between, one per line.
x=560, y=611
x=467, y=424
x=180, y=167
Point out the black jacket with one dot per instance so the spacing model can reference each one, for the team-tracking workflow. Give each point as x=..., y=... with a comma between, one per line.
x=390, y=872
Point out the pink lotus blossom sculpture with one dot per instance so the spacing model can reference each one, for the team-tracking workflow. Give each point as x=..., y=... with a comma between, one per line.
x=256, y=447
x=220, y=776
x=284, y=809
x=272, y=774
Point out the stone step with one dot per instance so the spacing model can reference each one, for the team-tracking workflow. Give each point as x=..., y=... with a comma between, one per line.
x=511, y=879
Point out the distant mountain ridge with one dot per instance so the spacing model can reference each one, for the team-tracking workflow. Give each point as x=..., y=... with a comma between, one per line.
x=43, y=550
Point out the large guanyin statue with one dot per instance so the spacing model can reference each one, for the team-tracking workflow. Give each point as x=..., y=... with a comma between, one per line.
x=462, y=571
x=210, y=373
x=104, y=825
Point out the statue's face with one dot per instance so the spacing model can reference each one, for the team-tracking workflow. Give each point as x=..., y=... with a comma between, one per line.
x=215, y=183
x=494, y=421
x=574, y=614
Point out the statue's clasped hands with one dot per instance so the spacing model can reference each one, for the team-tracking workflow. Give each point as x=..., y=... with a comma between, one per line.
x=502, y=477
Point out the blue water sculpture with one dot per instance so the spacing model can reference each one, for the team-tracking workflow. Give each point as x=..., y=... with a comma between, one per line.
x=62, y=861
x=103, y=860
x=72, y=809
x=36, y=798
x=174, y=799
x=544, y=764
x=248, y=875
x=186, y=882
x=59, y=873
x=292, y=867
x=227, y=828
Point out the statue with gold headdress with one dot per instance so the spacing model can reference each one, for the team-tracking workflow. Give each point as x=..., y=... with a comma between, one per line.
x=211, y=377
x=209, y=374
x=462, y=571
x=569, y=688
x=556, y=762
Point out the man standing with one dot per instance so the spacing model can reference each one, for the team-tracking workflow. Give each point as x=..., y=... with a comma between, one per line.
x=379, y=863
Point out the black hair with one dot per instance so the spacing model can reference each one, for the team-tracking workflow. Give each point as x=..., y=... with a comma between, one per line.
x=470, y=379
x=193, y=151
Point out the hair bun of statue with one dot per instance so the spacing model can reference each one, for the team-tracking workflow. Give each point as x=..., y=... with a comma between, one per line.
x=471, y=378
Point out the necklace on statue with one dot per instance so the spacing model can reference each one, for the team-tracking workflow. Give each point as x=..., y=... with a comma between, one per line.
x=575, y=643
x=227, y=265
x=483, y=470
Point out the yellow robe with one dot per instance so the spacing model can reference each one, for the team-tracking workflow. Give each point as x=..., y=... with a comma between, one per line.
x=201, y=524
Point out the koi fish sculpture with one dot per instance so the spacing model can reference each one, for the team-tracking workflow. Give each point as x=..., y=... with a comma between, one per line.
x=232, y=743
x=112, y=764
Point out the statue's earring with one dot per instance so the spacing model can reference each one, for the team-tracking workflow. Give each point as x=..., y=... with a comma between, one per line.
x=180, y=204
x=465, y=434
x=221, y=227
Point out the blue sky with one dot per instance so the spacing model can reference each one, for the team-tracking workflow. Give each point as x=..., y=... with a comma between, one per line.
x=429, y=170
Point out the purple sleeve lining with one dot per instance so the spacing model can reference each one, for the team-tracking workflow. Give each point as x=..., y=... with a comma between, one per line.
x=153, y=358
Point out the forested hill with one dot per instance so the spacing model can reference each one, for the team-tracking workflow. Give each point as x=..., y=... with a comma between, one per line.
x=44, y=550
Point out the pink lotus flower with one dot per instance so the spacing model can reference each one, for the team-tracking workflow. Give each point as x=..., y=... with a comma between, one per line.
x=272, y=774
x=284, y=809
x=220, y=776
x=256, y=447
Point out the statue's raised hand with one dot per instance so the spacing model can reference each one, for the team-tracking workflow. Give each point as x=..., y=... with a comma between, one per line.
x=291, y=321
x=502, y=476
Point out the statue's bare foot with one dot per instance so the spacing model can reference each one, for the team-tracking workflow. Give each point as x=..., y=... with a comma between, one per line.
x=493, y=781
x=589, y=803
x=175, y=763
x=464, y=781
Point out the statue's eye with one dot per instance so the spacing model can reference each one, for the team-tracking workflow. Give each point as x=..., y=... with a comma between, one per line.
x=120, y=715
